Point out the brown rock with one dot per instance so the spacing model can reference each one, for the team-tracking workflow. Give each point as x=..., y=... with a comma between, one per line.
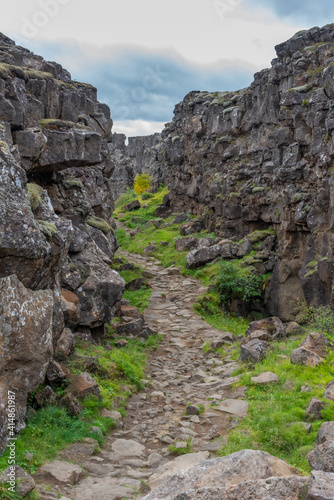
x=325, y=433
x=25, y=483
x=317, y=343
x=66, y=344
x=329, y=393
x=253, y=351
x=72, y=405
x=273, y=326
x=314, y=409
x=322, y=457
x=186, y=244
x=82, y=385
x=25, y=339
x=61, y=473
x=293, y=328
x=46, y=397
x=302, y=356
x=222, y=475
x=55, y=373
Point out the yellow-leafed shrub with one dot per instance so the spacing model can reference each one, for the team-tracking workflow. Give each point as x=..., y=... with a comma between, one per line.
x=142, y=183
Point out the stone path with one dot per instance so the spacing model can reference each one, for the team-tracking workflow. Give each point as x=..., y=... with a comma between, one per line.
x=136, y=457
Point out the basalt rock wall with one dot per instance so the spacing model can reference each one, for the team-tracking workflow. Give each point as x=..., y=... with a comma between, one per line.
x=57, y=235
x=263, y=157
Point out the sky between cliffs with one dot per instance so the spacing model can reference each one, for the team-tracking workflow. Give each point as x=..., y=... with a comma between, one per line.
x=144, y=56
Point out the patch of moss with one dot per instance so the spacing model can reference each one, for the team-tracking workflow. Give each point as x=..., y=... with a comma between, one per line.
x=48, y=228
x=52, y=124
x=72, y=183
x=258, y=189
x=260, y=235
x=4, y=146
x=35, y=195
x=100, y=224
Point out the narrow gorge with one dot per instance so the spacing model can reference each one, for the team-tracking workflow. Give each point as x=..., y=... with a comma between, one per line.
x=174, y=342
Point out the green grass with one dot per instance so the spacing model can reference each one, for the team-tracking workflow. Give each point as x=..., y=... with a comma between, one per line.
x=181, y=451
x=118, y=373
x=275, y=416
x=139, y=298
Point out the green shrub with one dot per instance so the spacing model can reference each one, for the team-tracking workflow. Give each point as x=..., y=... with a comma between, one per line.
x=233, y=282
x=147, y=196
x=320, y=319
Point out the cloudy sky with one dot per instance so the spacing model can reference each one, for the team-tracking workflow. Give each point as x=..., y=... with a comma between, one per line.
x=144, y=56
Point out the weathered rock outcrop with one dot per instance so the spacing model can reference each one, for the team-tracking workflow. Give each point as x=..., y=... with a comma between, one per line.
x=262, y=157
x=57, y=237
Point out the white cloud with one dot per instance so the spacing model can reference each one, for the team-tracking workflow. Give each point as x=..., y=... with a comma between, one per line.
x=134, y=128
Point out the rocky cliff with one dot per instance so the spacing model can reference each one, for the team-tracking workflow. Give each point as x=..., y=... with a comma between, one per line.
x=262, y=157
x=57, y=237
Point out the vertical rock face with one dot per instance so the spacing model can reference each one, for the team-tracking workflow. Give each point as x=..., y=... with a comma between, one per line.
x=262, y=157
x=57, y=235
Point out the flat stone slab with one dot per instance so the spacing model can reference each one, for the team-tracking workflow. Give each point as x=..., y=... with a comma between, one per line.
x=234, y=407
x=61, y=472
x=176, y=466
x=128, y=448
x=265, y=378
x=104, y=488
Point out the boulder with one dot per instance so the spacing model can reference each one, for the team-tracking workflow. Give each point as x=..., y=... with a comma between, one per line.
x=134, y=205
x=273, y=326
x=71, y=404
x=55, y=373
x=186, y=244
x=325, y=433
x=149, y=249
x=191, y=228
x=224, y=338
x=175, y=466
x=197, y=258
x=314, y=409
x=301, y=356
x=131, y=312
x=253, y=351
x=66, y=344
x=265, y=378
x=82, y=385
x=312, y=350
x=46, y=397
x=321, y=486
x=25, y=483
x=133, y=327
x=220, y=475
x=316, y=342
x=322, y=457
x=293, y=329
x=26, y=340
x=329, y=393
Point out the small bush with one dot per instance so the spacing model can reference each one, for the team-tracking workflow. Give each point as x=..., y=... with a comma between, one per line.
x=142, y=183
x=320, y=319
x=233, y=282
x=147, y=196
